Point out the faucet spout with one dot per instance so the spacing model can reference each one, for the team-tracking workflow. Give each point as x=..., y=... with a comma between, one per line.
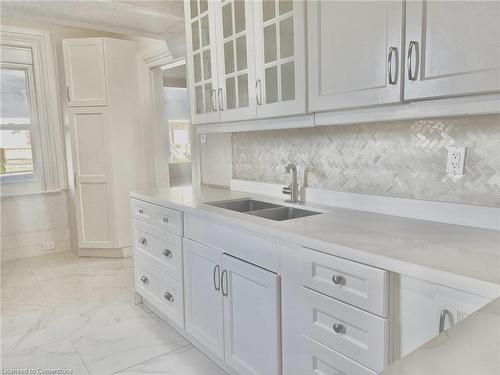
x=293, y=188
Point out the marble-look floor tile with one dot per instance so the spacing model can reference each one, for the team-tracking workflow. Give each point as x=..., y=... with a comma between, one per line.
x=183, y=361
x=127, y=343
x=57, y=355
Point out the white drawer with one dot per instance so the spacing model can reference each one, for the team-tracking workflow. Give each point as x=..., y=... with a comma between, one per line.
x=355, y=283
x=251, y=247
x=160, y=249
x=160, y=217
x=352, y=332
x=160, y=290
x=323, y=360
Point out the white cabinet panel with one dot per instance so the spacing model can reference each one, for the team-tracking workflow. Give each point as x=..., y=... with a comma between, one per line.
x=203, y=300
x=251, y=317
x=94, y=200
x=280, y=57
x=201, y=56
x=453, y=48
x=84, y=72
x=354, y=50
x=163, y=218
x=235, y=57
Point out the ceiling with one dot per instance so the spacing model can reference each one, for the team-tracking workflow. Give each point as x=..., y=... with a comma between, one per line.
x=152, y=19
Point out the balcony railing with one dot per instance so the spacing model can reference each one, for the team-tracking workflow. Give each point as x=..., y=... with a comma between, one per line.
x=16, y=160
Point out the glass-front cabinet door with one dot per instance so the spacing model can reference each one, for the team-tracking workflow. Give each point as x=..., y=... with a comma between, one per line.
x=202, y=63
x=280, y=57
x=236, y=67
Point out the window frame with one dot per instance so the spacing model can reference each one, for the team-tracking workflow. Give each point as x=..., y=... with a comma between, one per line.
x=33, y=47
x=32, y=184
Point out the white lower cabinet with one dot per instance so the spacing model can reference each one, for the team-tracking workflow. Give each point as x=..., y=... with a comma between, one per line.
x=232, y=308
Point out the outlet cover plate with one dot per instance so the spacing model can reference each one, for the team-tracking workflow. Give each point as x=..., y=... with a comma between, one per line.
x=455, y=163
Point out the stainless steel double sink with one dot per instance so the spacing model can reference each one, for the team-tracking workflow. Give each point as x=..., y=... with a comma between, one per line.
x=266, y=210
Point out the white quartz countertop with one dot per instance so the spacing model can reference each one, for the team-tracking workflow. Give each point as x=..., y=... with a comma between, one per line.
x=471, y=347
x=452, y=255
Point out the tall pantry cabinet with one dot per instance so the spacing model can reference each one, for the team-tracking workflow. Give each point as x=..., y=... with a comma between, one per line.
x=104, y=119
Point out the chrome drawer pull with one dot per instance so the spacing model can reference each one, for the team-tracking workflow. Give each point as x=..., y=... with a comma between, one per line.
x=338, y=280
x=145, y=280
x=169, y=297
x=338, y=328
x=167, y=253
x=442, y=319
x=141, y=211
x=165, y=220
x=143, y=241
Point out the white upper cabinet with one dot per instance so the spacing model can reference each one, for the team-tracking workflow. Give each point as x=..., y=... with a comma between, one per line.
x=355, y=53
x=452, y=48
x=201, y=60
x=84, y=72
x=235, y=59
x=280, y=57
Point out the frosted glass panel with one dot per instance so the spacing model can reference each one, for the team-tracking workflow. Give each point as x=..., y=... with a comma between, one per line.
x=286, y=6
x=286, y=38
x=194, y=8
x=198, y=91
x=197, y=67
x=205, y=32
x=229, y=57
x=230, y=93
x=241, y=53
x=239, y=16
x=195, y=35
x=288, y=81
x=208, y=97
x=227, y=20
x=243, y=90
x=270, y=47
x=207, y=66
x=271, y=84
x=268, y=9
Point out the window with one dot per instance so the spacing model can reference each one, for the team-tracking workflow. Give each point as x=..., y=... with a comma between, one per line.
x=16, y=152
x=180, y=145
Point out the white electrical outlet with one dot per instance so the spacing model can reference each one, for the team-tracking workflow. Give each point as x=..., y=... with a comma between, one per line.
x=456, y=160
x=49, y=245
x=203, y=139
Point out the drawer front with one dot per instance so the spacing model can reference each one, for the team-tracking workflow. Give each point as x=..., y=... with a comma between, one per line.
x=357, y=284
x=160, y=217
x=323, y=360
x=358, y=335
x=236, y=241
x=161, y=249
x=160, y=290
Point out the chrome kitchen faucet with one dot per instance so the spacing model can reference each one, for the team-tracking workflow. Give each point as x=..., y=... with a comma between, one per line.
x=293, y=188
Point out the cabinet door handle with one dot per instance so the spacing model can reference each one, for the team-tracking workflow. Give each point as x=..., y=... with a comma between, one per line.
x=442, y=319
x=224, y=290
x=217, y=277
x=167, y=253
x=220, y=100
x=214, y=105
x=338, y=328
x=258, y=91
x=338, y=280
x=75, y=180
x=145, y=280
x=164, y=219
x=412, y=76
x=169, y=297
x=143, y=241
x=67, y=94
x=393, y=51
x=141, y=211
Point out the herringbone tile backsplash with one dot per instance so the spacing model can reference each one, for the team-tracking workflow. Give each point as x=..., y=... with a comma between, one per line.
x=400, y=159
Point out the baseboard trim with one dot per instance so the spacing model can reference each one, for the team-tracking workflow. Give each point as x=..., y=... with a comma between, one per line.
x=442, y=212
x=123, y=252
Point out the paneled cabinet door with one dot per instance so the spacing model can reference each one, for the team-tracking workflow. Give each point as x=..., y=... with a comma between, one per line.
x=94, y=199
x=452, y=48
x=235, y=51
x=202, y=295
x=354, y=50
x=280, y=57
x=84, y=72
x=202, y=60
x=251, y=318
